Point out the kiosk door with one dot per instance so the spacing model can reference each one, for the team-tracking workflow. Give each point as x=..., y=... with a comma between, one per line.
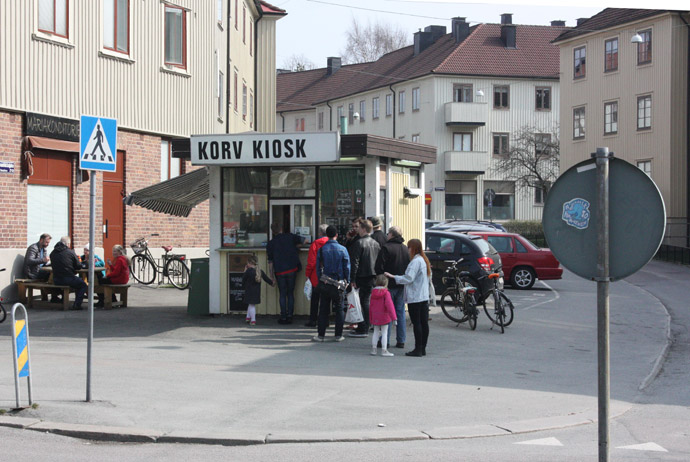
x=297, y=216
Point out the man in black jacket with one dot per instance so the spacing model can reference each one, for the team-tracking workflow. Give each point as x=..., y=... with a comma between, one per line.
x=394, y=258
x=37, y=256
x=65, y=265
x=378, y=235
x=363, y=254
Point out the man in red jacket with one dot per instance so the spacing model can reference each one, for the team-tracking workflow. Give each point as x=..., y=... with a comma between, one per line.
x=311, y=274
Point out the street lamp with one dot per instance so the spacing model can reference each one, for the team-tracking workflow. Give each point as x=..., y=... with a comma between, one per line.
x=637, y=38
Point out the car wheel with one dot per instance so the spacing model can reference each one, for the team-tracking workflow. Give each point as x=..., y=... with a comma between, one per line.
x=522, y=278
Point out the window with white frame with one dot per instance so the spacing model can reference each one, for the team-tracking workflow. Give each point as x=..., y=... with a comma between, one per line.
x=236, y=98
x=503, y=204
x=644, y=112
x=244, y=24
x=644, y=48
x=362, y=111
x=415, y=175
x=401, y=102
x=611, y=55
x=611, y=118
x=170, y=166
x=251, y=109
x=340, y=113
x=415, y=138
x=579, y=122
x=175, y=37
x=542, y=144
x=500, y=147
x=645, y=166
x=116, y=25
x=462, y=93
x=462, y=141
x=237, y=15
x=320, y=117
x=220, y=92
x=375, y=108
x=389, y=105
x=540, y=193
x=415, y=99
x=579, y=62
x=543, y=98
x=299, y=124
x=52, y=17
x=501, y=96
x=461, y=199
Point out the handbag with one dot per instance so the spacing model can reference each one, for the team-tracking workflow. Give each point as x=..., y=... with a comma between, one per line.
x=432, y=294
x=307, y=289
x=354, y=308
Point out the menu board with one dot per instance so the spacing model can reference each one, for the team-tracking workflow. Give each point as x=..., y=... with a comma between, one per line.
x=343, y=202
x=236, y=264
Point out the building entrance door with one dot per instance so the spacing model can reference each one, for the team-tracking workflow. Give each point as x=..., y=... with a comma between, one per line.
x=295, y=216
x=113, y=207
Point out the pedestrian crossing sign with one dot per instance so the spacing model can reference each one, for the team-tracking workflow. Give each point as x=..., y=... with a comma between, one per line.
x=98, y=144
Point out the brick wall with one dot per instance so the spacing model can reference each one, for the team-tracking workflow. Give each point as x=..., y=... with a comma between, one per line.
x=12, y=189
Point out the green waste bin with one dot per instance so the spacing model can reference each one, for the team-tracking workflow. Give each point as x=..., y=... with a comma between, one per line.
x=197, y=303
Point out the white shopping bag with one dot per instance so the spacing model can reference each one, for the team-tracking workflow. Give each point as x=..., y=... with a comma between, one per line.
x=354, y=308
x=307, y=289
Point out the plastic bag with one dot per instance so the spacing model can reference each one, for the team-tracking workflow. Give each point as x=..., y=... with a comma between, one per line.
x=307, y=289
x=432, y=293
x=354, y=308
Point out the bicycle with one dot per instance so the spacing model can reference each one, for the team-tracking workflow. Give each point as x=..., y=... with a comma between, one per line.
x=3, y=313
x=144, y=268
x=459, y=302
x=498, y=304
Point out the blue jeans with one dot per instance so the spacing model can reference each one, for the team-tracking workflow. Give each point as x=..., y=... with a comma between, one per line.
x=286, y=288
x=398, y=296
x=75, y=282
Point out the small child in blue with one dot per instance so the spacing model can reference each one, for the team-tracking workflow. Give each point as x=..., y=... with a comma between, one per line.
x=251, y=282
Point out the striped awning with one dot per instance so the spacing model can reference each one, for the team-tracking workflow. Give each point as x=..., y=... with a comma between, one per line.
x=176, y=196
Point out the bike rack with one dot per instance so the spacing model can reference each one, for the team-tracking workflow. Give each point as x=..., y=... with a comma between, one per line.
x=21, y=354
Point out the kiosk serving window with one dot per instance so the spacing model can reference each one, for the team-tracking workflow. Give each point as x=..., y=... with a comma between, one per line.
x=245, y=207
x=341, y=196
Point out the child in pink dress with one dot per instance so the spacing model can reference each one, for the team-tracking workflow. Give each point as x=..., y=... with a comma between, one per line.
x=381, y=314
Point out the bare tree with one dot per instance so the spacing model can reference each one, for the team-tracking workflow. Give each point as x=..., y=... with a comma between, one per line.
x=366, y=43
x=298, y=63
x=531, y=159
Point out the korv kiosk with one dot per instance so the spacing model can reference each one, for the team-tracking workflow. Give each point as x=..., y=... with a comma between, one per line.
x=299, y=181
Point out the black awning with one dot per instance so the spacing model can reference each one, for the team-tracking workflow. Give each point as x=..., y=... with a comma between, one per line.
x=176, y=196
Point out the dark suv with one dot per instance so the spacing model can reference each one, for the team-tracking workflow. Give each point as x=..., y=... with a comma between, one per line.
x=479, y=257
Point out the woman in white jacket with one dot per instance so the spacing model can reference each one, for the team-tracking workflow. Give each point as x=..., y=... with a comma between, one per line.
x=416, y=282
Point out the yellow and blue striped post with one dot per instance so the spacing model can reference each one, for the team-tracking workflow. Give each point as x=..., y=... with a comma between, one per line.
x=20, y=350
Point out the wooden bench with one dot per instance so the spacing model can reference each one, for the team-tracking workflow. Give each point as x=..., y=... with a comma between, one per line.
x=108, y=290
x=26, y=288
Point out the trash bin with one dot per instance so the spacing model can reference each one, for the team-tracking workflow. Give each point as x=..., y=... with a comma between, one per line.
x=197, y=301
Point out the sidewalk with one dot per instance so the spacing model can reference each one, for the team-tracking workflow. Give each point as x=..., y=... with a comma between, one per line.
x=160, y=375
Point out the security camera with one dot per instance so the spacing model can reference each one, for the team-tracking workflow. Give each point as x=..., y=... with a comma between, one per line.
x=356, y=115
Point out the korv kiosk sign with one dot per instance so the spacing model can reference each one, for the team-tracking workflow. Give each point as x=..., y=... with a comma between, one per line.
x=265, y=148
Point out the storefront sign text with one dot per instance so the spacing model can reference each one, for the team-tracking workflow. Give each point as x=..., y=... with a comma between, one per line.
x=51, y=127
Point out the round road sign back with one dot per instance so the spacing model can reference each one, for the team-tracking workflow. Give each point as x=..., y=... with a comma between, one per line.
x=637, y=219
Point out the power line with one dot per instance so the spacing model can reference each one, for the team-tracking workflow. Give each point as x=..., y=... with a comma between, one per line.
x=377, y=11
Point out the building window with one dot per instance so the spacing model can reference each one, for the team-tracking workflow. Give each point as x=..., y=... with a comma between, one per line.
x=644, y=112
x=362, y=111
x=244, y=24
x=170, y=166
x=340, y=114
x=244, y=101
x=540, y=193
x=501, y=93
x=251, y=37
x=389, y=105
x=52, y=17
x=220, y=94
x=503, y=204
x=543, y=98
x=644, y=49
x=645, y=166
x=375, y=108
x=580, y=56
x=251, y=109
x=219, y=11
x=462, y=141
x=611, y=55
x=415, y=138
x=175, y=37
x=299, y=124
x=237, y=15
x=542, y=144
x=578, y=122
x=463, y=93
x=500, y=147
x=116, y=25
x=401, y=102
x=320, y=121
x=414, y=176
x=236, y=98
x=351, y=113
x=415, y=99
x=610, y=118
x=461, y=199
x=245, y=206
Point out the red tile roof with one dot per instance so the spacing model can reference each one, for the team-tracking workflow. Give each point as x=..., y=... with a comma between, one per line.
x=267, y=8
x=610, y=17
x=482, y=53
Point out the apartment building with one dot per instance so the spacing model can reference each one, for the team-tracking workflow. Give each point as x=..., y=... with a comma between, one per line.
x=469, y=93
x=625, y=85
x=163, y=69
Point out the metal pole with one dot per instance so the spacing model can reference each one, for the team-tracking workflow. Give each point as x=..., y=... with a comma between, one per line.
x=92, y=219
x=602, y=161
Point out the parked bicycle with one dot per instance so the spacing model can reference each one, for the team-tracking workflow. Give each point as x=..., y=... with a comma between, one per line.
x=498, y=306
x=3, y=313
x=459, y=301
x=144, y=269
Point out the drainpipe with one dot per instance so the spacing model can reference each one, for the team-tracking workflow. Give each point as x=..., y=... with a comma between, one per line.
x=256, y=68
x=330, y=117
x=227, y=75
x=687, y=139
x=391, y=87
x=281, y=116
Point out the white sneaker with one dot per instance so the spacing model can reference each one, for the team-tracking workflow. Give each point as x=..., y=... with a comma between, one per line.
x=387, y=353
x=340, y=339
x=318, y=339
x=374, y=351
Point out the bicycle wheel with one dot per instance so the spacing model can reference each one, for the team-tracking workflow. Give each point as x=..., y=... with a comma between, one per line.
x=3, y=315
x=178, y=273
x=142, y=269
x=471, y=311
x=452, y=307
x=507, y=310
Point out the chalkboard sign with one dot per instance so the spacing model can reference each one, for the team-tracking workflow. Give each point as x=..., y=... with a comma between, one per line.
x=343, y=202
x=236, y=263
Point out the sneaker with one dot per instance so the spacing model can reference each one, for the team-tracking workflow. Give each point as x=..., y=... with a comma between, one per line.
x=358, y=335
x=318, y=339
x=253, y=323
x=248, y=320
x=387, y=353
x=400, y=345
x=340, y=339
x=373, y=352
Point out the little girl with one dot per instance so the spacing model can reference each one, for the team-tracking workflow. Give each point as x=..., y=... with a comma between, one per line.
x=381, y=314
x=251, y=281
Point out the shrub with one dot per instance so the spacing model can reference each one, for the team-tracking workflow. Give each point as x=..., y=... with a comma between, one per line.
x=525, y=227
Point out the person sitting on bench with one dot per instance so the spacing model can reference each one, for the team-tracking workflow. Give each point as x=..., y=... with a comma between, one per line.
x=65, y=266
x=118, y=272
x=35, y=259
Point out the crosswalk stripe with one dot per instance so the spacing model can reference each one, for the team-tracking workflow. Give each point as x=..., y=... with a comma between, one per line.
x=543, y=442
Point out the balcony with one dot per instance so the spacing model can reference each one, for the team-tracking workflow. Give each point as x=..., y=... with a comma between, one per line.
x=467, y=162
x=471, y=115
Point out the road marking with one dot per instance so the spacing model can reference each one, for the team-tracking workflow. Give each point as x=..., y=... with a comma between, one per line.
x=557, y=296
x=644, y=447
x=543, y=442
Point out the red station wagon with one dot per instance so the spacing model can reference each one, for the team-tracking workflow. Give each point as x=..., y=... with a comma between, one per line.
x=523, y=262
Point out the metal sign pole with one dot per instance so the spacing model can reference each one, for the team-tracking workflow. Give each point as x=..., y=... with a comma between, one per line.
x=602, y=161
x=92, y=219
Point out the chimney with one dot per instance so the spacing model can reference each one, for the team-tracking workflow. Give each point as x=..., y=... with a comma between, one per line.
x=423, y=40
x=506, y=18
x=461, y=29
x=333, y=65
x=558, y=23
x=581, y=20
